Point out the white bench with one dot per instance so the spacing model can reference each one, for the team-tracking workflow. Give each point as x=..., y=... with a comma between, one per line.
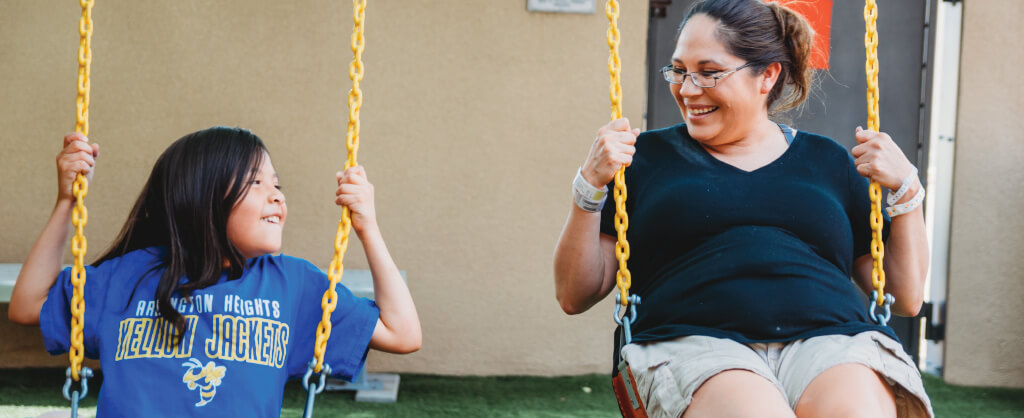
x=369, y=387
x=8, y=274
x=360, y=282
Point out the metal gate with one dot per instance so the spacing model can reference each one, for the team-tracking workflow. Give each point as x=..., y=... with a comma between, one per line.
x=837, y=104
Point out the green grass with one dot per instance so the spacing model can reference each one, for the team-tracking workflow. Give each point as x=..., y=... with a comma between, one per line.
x=959, y=401
x=32, y=392
x=442, y=396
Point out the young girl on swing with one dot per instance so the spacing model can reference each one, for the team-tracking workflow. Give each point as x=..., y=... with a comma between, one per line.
x=189, y=312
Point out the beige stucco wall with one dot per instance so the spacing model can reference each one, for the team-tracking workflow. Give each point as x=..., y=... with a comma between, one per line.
x=475, y=118
x=985, y=334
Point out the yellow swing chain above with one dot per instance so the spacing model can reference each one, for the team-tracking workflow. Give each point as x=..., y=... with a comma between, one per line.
x=355, y=102
x=874, y=190
x=622, y=279
x=80, y=188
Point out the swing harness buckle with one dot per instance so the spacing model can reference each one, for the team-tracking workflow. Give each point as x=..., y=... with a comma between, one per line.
x=314, y=388
x=75, y=396
x=881, y=318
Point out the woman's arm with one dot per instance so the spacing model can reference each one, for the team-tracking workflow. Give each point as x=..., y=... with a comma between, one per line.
x=44, y=260
x=906, y=251
x=585, y=264
x=905, y=263
x=398, y=328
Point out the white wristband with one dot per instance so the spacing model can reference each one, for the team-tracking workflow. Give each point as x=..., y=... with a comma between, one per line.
x=586, y=196
x=895, y=196
x=904, y=208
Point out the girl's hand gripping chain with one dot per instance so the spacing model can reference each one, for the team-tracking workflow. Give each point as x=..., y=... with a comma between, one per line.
x=356, y=192
x=78, y=156
x=398, y=329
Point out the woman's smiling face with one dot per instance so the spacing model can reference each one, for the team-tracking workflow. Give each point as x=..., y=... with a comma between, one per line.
x=730, y=110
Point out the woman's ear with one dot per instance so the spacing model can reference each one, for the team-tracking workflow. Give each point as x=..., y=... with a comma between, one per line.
x=770, y=76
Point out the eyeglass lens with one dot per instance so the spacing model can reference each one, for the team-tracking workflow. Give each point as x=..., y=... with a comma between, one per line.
x=700, y=80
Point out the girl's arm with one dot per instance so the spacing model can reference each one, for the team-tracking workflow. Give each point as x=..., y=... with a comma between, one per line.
x=906, y=251
x=44, y=260
x=398, y=328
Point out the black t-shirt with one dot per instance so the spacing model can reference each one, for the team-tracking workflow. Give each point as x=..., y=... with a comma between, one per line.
x=756, y=256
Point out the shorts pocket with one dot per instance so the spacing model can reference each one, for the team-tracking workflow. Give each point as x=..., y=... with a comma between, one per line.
x=897, y=363
x=664, y=395
x=901, y=372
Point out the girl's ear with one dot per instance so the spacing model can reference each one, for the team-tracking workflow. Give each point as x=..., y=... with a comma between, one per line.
x=769, y=77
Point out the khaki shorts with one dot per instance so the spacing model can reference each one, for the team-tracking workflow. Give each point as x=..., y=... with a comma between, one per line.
x=669, y=372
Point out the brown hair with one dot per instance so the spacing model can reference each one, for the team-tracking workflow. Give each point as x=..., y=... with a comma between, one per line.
x=762, y=34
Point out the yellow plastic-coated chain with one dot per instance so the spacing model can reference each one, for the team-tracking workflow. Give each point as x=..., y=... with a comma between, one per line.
x=874, y=190
x=622, y=279
x=355, y=102
x=80, y=188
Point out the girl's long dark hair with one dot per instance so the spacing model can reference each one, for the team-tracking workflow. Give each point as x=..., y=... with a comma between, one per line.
x=184, y=208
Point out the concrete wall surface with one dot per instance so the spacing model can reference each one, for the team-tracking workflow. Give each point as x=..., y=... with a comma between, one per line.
x=476, y=115
x=985, y=328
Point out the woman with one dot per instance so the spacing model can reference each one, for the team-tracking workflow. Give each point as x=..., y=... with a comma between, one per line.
x=744, y=234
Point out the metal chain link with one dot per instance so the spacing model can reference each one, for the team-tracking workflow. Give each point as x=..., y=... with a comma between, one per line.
x=623, y=279
x=80, y=188
x=355, y=102
x=874, y=190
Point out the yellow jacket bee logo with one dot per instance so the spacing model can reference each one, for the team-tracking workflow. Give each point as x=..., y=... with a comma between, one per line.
x=207, y=380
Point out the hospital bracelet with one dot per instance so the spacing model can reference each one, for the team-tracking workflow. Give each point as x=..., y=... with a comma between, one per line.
x=895, y=196
x=903, y=208
x=586, y=196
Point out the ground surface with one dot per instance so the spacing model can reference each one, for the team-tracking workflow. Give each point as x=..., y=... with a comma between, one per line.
x=32, y=392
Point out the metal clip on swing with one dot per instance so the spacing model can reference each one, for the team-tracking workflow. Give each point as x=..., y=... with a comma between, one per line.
x=313, y=389
x=628, y=318
x=881, y=318
x=75, y=396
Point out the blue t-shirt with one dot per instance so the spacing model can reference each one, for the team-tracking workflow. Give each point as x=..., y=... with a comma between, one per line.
x=244, y=339
x=755, y=256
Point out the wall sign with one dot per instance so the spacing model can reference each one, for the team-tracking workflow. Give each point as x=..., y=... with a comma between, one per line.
x=561, y=6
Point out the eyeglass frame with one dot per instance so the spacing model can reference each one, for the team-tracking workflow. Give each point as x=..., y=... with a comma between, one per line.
x=715, y=77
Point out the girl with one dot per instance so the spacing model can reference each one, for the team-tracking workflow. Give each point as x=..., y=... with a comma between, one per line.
x=189, y=312
x=745, y=234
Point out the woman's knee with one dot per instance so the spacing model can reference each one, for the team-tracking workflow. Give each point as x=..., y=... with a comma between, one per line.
x=738, y=393
x=847, y=390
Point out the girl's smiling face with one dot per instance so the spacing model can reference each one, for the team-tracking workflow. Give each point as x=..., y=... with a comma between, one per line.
x=256, y=223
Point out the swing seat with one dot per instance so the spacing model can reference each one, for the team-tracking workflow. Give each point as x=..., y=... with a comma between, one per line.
x=624, y=384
